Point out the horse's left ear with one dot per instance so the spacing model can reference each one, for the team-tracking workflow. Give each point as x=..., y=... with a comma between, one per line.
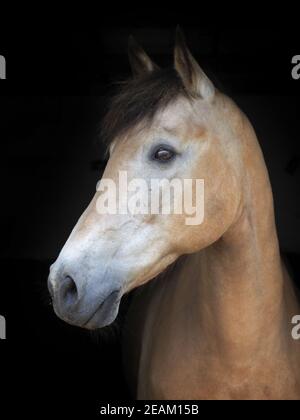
x=193, y=77
x=140, y=62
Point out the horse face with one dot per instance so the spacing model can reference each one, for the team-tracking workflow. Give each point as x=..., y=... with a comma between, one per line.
x=107, y=255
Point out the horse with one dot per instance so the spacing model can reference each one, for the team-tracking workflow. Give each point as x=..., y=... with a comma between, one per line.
x=210, y=316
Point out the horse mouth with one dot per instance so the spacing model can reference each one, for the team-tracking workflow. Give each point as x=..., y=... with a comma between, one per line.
x=105, y=313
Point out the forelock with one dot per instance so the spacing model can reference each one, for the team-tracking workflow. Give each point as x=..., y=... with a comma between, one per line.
x=138, y=102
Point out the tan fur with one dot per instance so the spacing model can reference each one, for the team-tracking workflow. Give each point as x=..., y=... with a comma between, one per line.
x=217, y=323
x=220, y=327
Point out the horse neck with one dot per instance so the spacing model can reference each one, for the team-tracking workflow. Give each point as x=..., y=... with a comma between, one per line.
x=241, y=285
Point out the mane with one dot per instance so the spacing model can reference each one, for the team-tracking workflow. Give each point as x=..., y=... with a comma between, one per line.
x=138, y=101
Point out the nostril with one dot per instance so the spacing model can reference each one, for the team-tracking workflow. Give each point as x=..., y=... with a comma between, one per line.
x=68, y=291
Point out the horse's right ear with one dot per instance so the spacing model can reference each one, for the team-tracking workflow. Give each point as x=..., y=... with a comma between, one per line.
x=140, y=62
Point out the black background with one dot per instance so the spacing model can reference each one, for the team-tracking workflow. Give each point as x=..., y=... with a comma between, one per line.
x=58, y=79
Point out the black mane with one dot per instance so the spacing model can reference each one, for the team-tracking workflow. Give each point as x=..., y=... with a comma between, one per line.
x=139, y=100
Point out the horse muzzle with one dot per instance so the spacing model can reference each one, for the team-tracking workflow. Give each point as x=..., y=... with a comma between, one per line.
x=83, y=302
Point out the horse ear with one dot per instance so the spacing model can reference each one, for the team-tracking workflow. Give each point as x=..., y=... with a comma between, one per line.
x=193, y=77
x=140, y=62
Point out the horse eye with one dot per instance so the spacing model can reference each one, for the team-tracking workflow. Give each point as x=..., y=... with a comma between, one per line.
x=163, y=154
